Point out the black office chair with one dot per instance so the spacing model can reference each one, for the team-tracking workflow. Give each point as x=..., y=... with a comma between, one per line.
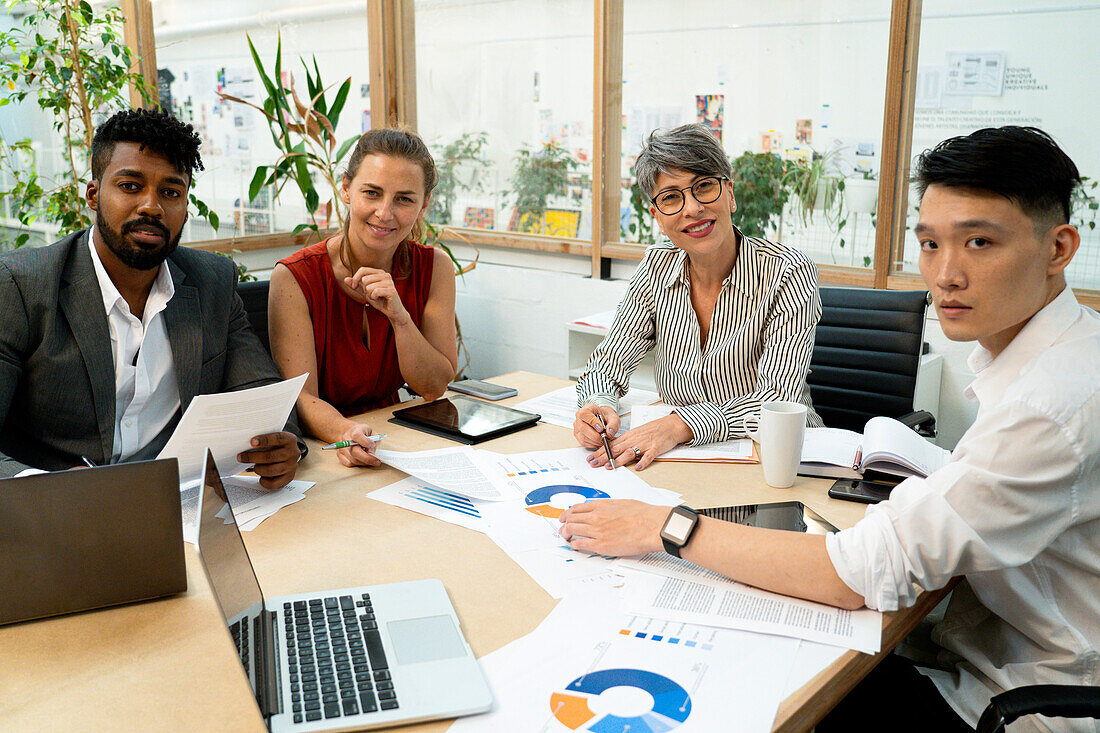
x=867, y=349
x=254, y=295
x=1055, y=701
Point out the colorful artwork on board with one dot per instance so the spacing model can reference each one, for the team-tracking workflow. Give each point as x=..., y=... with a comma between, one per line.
x=479, y=217
x=710, y=110
x=803, y=131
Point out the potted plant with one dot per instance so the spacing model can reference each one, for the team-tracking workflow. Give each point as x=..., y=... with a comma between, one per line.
x=539, y=174
x=761, y=191
x=74, y=64
x=459, y=165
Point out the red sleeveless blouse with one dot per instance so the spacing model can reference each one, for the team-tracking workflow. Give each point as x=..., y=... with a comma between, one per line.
x=351, y=377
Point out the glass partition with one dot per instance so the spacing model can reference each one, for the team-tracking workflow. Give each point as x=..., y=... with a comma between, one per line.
x=504, y=98
x=983, y=68
x=777, y=83
x=202, y=50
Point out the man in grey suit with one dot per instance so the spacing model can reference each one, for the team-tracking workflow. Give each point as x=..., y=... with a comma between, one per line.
x=106, y=335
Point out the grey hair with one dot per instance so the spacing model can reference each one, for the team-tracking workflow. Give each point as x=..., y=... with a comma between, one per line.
x=692, y=148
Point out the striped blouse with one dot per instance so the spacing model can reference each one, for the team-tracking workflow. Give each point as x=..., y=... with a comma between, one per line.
x=758, y=348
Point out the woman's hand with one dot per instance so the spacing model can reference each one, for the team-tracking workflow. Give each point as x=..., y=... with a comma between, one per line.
x=378, y=291
x=644, y=443
x=587, y=428
x=362, y=453
x=614, y=527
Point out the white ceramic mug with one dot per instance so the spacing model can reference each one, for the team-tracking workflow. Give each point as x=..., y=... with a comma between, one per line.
x=781, y=429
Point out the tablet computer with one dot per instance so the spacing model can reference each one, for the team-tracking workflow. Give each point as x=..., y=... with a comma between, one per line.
x=464, y=419
x=793, y=516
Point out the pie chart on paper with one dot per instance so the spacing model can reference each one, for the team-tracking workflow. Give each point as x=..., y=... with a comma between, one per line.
x=551, y=501
x=578, y=708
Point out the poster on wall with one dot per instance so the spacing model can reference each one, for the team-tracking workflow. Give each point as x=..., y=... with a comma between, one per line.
x=479, y=217
x=803, y=132
x=975, y=73
x=709, y=109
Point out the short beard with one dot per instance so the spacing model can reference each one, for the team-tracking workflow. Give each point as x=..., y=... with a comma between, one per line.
x=133, y=255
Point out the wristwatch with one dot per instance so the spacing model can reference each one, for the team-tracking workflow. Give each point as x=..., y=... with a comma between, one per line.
x=678, y=527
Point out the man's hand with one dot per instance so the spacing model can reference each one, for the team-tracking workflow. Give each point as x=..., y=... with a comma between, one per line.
x=274, y=457
x=614, y=527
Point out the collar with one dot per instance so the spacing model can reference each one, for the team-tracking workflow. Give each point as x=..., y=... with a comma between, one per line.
x=161, y=292
x=994, y=374
x=745, y=268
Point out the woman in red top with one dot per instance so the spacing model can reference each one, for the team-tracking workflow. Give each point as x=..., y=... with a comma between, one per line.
x=368, y=309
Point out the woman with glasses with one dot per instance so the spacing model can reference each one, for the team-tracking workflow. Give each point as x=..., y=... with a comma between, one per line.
x=730, y=318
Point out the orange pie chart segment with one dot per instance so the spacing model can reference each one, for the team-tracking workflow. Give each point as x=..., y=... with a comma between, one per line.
x=571, y=710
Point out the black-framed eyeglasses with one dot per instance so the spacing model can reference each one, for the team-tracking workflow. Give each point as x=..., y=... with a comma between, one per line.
x=705, y=191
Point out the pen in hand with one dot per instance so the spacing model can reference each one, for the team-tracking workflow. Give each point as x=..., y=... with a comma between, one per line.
x=88, y=462
x=350, y=443
x=606, y=445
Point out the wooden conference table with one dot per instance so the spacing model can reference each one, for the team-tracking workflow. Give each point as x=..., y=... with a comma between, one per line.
x=170, y=664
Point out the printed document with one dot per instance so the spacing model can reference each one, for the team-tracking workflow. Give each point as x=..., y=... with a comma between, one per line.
x=560, y=406
x=678, y=590
x=450, y=469
x=226, y=422
x=739, y=450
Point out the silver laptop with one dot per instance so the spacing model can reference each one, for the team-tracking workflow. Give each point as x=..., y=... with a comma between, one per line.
x=77, y=540
x=345, y=659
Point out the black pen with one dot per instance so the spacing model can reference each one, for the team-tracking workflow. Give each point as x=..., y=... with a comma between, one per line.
x=606, y=445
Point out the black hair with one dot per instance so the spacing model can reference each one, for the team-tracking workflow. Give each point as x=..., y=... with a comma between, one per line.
x=1023, y=164
x=150, y=128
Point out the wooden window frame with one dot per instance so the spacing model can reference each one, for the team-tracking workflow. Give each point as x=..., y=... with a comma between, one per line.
x=391, y=30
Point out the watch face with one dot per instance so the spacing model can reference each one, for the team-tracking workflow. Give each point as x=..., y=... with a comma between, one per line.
x=678, y=526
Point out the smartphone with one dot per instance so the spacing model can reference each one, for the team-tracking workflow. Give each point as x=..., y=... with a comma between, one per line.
x=868, y=492
x=484, y=390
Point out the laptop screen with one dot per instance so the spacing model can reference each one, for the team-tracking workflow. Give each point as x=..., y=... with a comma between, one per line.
x=223, y=553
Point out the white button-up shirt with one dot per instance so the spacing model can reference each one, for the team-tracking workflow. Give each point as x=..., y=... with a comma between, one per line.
x=758, y=347
x=1017, y=511
x=146, y=391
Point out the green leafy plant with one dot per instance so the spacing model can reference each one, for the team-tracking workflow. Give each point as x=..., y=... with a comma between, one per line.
x=304, y=133
x=72, y=61
x=818, y=185
x=1085, y=204
x=640, y=224
x=761, y=190
x=459, y=164
x=539, y=174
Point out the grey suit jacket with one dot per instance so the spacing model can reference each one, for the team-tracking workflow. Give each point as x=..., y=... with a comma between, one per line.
x=57, y=381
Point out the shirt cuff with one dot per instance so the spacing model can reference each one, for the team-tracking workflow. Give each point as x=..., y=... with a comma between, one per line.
x=707, y=422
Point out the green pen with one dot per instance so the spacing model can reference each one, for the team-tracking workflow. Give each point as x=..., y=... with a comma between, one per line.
x=350, y=443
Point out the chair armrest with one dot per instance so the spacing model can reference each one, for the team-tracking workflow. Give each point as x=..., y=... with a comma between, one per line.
x=923, y=421
x=1056, y=701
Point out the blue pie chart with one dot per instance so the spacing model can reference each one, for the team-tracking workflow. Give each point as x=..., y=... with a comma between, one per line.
x=538, y=501
x=671, y=702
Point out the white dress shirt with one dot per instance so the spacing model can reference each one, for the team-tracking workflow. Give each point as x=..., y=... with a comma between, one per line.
x=146, y=391
x=758, y=347
x=1017, y=511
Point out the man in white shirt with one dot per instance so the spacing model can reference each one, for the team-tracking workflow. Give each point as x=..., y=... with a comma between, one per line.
x=106, y=335
x=1017, y=509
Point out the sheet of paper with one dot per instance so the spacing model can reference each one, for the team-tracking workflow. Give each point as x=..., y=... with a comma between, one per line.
x=831, y=445
x=728, y=451
x=590, y=667
x=812, y=658
x=424, y=498
x=542, y=485
x=450, y=469
x=560, y=406
x=252, y=503
x=603, y=320
x=693, y=595
x=226, y=423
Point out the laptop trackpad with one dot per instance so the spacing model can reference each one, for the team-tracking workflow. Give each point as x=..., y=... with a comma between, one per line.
x=425, y=639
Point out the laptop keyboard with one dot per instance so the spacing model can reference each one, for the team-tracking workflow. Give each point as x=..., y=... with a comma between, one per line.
x=337, y=664
x=241, y=632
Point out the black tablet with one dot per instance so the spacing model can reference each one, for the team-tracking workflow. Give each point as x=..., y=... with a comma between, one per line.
x=464, y=419
x=793, y=516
